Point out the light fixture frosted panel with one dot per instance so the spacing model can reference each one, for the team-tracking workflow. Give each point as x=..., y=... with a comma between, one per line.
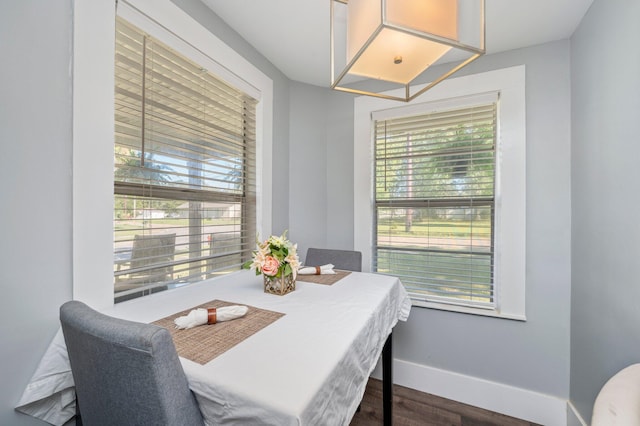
x=364, y=17
x=397, y=40
x=397, y=57
x=437, y=17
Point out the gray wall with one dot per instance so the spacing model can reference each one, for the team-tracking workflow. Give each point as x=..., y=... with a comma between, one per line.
x=321, y=160
x=35, y=187
x=605, y=312
x=533, y=355
x=339, y=157
x=308, y=166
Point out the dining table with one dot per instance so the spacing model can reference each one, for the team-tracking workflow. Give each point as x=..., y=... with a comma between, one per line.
x=303, y=358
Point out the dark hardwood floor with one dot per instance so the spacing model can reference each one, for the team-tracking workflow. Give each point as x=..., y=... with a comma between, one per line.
x=414, y=408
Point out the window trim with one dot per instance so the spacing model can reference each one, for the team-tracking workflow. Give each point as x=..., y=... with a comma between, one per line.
x=93, y=120
x=153, y=122
x=510, y=274
x=424, y=110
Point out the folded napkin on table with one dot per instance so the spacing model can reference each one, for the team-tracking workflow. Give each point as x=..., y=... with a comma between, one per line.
x=317, y=270
x=203, y=316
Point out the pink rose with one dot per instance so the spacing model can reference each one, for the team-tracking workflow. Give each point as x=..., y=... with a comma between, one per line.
x=270, y=266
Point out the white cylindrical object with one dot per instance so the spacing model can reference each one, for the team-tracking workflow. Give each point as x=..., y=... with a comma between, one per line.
x=618, y=403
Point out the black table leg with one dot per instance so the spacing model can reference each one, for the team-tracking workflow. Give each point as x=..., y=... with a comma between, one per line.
x=387, y=381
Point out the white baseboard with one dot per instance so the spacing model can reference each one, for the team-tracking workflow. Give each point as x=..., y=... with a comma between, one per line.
x=516, y=402
x=573, y=417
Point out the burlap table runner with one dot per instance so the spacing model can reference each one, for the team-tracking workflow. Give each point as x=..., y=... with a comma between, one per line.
x=203, y=343
x=327, y=279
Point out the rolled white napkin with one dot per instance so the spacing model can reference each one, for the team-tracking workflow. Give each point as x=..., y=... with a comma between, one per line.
x=203, y=316
x=317, y=270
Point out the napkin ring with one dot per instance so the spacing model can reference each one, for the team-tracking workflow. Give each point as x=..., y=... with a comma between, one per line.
x=211, y=316
x=318, y=270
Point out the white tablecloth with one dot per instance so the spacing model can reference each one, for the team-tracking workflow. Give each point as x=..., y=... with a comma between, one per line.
x=309, y=367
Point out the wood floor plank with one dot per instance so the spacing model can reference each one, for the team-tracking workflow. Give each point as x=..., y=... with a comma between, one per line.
x=414, y=408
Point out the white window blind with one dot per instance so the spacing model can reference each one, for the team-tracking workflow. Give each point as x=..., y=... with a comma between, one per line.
x=435, y=204
x=185, y=162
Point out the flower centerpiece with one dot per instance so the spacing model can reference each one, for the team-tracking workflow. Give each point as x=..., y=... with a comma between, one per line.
x=277, y=260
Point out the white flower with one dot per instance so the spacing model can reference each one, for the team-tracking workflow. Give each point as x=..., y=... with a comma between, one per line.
x=292, y=259
x=278, y=241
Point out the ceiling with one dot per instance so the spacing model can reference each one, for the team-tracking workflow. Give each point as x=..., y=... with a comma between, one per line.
x=294, y=34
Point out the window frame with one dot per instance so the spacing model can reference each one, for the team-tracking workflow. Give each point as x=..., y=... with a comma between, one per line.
x=485, y=101
x=153, y=120
x=510, y=196
x=93, y=119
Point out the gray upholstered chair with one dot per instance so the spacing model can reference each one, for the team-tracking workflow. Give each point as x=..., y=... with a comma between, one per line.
x=347, y=260
x=125, y=373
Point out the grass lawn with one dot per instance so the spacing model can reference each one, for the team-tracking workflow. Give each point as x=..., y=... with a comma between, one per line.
x=417, y=255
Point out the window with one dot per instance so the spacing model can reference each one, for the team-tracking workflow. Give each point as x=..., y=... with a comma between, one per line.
x=440, y=192
x=185, y=167
x=434, y=202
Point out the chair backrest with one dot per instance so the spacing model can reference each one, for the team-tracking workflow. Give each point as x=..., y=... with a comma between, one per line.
x=618, y=402
x=153, y=249
x=347, y=260
x=125, y=373
x=228, y=244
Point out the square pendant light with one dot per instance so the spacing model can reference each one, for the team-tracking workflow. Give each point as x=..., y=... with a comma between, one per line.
x=396, y=41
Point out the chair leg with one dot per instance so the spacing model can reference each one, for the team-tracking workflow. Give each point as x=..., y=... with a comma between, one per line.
x=78, y=415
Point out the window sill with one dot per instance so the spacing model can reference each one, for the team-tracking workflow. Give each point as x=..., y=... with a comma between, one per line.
x=487, y=312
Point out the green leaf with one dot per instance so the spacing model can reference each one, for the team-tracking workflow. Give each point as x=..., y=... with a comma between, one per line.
x=287, y=270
